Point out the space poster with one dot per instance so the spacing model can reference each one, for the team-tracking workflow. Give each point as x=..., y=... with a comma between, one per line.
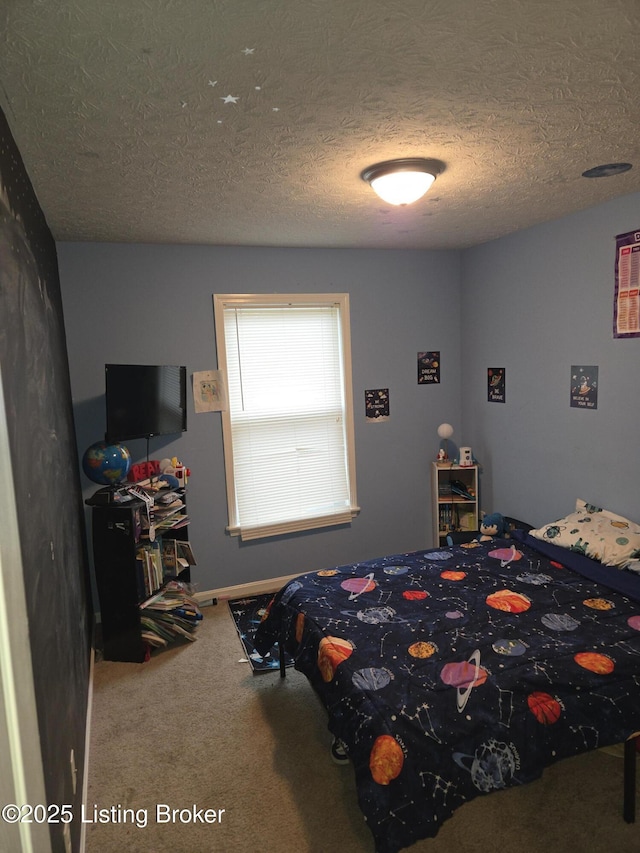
x=584, y=387
x=376, y=404
x=496, y=384
x=429, y=367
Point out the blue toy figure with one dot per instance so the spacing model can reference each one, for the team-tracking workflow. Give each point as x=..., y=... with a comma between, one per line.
x=492, y=526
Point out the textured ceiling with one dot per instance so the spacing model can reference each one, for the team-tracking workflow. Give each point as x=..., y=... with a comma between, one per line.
x=248, y=122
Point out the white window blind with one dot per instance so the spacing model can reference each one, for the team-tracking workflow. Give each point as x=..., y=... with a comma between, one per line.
x=289, y=427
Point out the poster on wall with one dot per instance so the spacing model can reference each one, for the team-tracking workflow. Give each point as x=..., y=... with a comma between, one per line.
x=208, y=391
x=584, y=387
x=626, y=303
x=376, y=404
x=496, y=384
x=429, y=367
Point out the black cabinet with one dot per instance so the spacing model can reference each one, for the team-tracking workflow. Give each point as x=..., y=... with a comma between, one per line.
x=121, y=546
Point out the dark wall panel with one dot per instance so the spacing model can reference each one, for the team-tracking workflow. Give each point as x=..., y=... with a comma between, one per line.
x=33, y=358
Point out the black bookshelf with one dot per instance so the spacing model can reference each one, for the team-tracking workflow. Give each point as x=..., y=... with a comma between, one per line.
x=125, y=577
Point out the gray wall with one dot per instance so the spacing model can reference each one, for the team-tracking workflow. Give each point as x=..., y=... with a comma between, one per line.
x=538, y=302
x=153, y=304
x=535, y=302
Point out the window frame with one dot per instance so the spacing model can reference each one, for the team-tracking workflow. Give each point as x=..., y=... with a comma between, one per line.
x=222, y=301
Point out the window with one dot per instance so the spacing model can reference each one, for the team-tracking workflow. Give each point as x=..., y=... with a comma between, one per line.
x=288, y=429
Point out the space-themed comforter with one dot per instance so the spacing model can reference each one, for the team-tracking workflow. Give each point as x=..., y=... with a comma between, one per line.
x=456, y=672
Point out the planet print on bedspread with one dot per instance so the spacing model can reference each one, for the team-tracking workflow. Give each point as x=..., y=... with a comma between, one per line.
x=559, y=622
x=386, y=759
x=332, y=651
x=544, y=708
x=371, y=678
x=595, y=662
x=506, y=555
x=358, y=586
x=509, y=648
x=464, y=676
x=491, y=767
x=452, y=674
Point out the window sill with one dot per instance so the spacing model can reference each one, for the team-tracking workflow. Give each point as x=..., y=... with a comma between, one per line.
x=285, y=527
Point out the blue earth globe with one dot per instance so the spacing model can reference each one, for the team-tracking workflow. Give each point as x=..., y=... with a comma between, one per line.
x=106, y=464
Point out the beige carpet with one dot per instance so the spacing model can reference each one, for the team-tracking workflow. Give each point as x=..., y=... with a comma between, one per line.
x=194, y=728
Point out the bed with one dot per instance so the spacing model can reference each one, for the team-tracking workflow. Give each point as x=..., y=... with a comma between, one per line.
x=454, y=672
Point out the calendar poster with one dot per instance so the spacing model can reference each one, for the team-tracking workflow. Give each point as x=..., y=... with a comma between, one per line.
x=626, y=306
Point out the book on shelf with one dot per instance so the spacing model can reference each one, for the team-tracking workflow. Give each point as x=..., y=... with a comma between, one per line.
x=173, y=522
x=169, y=614
x=177, y=555
x=150, y=575
x=185, y=552
x=161, y=512
x=167, y=498
x=169, y=550
x=462, y=491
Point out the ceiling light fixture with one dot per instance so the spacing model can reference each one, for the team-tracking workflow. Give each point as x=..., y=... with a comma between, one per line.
x=402, y=181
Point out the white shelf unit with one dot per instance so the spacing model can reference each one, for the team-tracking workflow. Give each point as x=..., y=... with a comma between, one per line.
x=450, y=509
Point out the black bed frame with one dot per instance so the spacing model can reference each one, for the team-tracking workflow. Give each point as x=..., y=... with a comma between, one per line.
x=629, y=806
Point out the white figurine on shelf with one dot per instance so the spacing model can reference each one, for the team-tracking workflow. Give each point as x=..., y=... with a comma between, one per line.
x=445, y=431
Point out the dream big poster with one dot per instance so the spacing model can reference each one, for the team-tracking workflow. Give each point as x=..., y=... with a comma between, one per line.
x=429, y=367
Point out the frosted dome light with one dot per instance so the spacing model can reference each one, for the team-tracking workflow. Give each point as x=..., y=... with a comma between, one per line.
x=403, y=181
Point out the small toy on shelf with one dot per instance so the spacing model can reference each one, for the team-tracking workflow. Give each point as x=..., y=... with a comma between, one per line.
x=465, y=458
x=175, y=469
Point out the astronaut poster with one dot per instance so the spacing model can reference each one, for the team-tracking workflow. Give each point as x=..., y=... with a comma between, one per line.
x=584, y=387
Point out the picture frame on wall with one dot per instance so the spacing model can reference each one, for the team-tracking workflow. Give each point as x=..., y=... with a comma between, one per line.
x=376, y=404
x=496, y=384
x=429, y=367
x=584, y=387
x=626, y=300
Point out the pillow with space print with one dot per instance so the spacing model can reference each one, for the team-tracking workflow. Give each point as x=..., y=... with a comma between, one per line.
x=598, y=533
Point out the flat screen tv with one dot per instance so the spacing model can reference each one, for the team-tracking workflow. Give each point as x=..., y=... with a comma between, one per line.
x=144, y=400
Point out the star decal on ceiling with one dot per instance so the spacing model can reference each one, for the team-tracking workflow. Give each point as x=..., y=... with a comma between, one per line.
x=213, y=82
x=248, y=51
x=230, y=99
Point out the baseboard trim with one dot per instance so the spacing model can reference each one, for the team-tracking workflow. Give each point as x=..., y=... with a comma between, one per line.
x=87, y=738
x=243, y=590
